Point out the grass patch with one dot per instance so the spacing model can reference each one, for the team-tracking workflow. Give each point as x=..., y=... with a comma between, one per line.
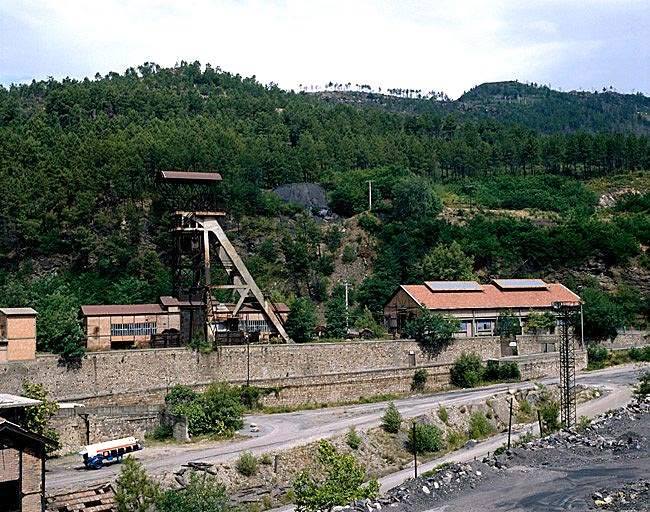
x=437, y=469
x=443, y=414
x=278, y=409
x=525, y=413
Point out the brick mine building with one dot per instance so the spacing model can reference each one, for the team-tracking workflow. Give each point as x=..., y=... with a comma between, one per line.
x=477, y=306
x=170, y=323
x=22, y=469
x=17, y=334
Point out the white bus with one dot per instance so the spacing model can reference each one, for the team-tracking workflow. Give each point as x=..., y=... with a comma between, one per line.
x=98, y=454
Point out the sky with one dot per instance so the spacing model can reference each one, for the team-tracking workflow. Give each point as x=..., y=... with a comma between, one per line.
x=441, y=45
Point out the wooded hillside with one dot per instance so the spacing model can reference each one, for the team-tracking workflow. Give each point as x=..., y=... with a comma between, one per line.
x=83, y=220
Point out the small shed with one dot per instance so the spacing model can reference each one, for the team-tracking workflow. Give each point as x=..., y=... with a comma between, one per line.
x=17, y=334
x=22, y=472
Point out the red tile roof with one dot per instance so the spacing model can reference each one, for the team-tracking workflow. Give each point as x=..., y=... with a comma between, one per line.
x=490, y=297
x=121, y=309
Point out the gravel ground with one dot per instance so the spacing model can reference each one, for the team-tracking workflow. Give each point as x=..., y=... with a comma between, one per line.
x=606, y=467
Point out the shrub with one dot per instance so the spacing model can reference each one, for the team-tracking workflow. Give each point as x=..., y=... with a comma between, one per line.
x=246, y=464
x=425, y=438
x=135, y=491
x=467, y=371
x=162, y=432
x=443, y=414
x=549, y=410
x=525, y=412
x=524, y=438
x=180, y=394
x=643, y=387
x=266, y=459
x=509, y=370
x=342, y=482
x=640, y=354
x=504, y=371
x=596, y=356
x=222, y=404
x=479, y=426
x=349, y=254
x=583, y=423
x=456, y=439
x=392, y=419
x=491, y=372
x=250, y=396
x=419, y=380
x=353, y=439
x=201, y=344
x=218, y=411
x=203, y=492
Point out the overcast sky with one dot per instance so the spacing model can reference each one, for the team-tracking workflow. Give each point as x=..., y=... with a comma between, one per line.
x=437, y=44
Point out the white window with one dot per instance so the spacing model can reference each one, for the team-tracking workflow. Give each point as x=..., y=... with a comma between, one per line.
x=484, y=327
x=464, y=327
x=133, y=329
x=254, y=326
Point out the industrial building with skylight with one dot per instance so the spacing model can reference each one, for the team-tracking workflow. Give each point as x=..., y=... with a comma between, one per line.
x=476, y=306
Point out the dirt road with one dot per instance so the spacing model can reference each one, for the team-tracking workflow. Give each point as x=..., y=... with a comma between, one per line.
x=281, y=431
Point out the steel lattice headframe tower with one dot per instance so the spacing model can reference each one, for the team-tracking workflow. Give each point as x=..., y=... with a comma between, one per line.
x=197, y=232
x=567, y=312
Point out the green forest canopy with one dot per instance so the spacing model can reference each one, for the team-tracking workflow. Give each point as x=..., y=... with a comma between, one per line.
x=83, y=209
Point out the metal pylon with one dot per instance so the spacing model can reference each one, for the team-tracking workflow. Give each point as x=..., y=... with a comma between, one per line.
x=567, y=365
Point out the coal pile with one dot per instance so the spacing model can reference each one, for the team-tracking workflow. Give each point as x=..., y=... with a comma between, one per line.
x=634, y=496
x=602, y=465
x=447, y=481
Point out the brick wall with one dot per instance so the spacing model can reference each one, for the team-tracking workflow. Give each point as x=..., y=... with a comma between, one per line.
x=9, y=467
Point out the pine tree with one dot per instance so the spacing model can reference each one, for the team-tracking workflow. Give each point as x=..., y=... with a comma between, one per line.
x=392, y=419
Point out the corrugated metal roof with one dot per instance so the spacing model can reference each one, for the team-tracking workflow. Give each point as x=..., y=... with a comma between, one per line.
x=8, y=401
x=121, y=309
x=453, y=286
x=491, y=297
x=188, y=176
x=100, y=498
x=519, y=284
x=18, y=311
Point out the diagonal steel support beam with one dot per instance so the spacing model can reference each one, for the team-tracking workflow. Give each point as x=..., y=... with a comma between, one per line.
x=230, y=259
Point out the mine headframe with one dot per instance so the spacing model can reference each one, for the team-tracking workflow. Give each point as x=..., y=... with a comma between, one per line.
x=200, y=241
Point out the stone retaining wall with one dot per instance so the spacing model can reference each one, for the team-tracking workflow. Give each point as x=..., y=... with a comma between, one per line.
x=124, y=377
x=86, y=425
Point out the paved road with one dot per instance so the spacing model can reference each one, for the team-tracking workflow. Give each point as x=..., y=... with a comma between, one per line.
x=282, y=431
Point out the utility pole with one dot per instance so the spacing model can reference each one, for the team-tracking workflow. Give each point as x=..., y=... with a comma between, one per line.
x=510, y=423
x=369, y=195
x=415, y=450
x=347, y=305
x=248, y=360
